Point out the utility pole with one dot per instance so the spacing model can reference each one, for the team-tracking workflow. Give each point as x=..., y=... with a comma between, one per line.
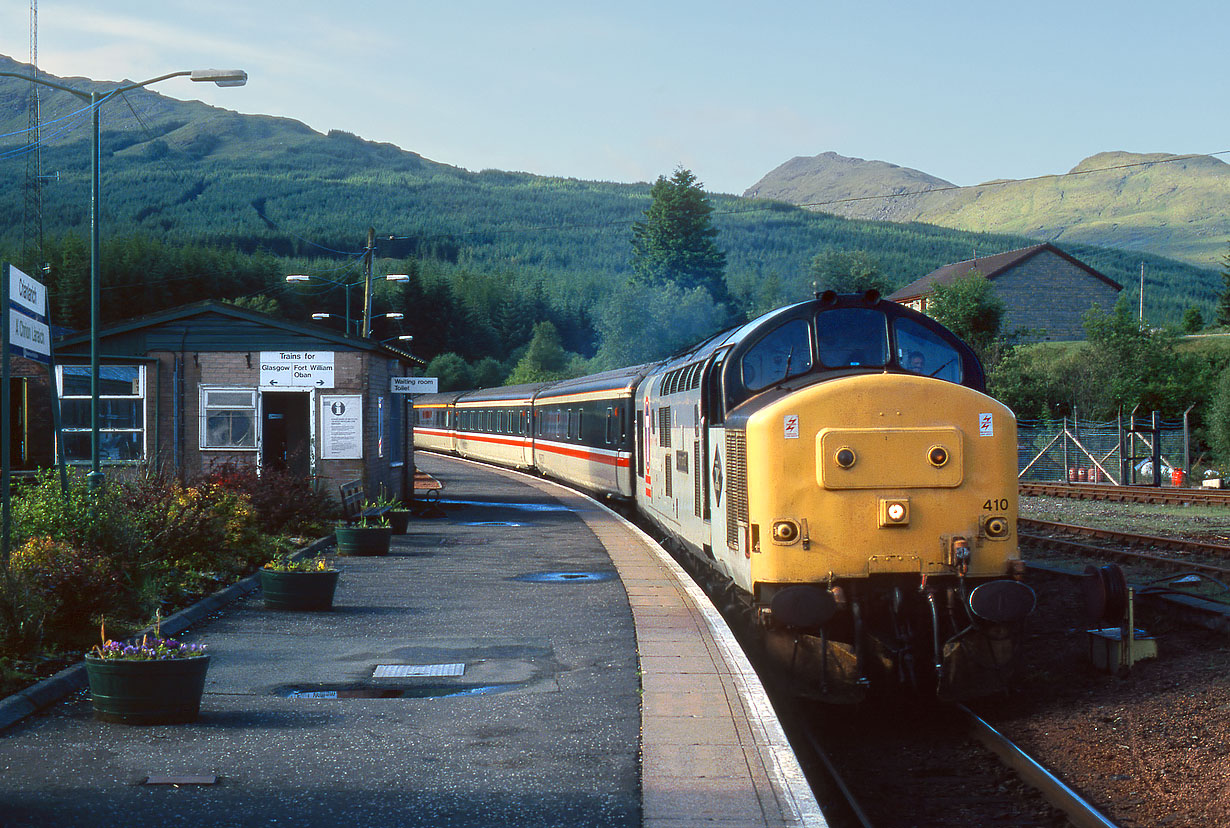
x=367, y=281
x=1142, y=293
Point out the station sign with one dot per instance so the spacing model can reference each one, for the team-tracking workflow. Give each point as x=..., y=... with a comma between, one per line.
x=414, y=385
x=28, y=333
x=296, y=369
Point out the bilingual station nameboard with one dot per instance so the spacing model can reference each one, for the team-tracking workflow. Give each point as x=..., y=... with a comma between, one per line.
x=28, y=333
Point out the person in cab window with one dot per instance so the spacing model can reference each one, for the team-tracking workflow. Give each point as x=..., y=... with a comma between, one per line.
x=916, y=362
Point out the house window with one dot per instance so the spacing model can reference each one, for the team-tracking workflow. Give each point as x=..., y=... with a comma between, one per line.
x=121, y=412
x=228, y=418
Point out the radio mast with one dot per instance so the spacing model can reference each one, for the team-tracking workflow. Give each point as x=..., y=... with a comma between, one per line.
x=32, y=227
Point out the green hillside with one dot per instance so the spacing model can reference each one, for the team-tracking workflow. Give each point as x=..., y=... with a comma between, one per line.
x=190, y=192
x=1163, y=204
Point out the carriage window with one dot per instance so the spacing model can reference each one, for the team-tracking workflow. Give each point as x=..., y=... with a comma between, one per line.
x=851, y=337
x=783, y=353
x=923, y=351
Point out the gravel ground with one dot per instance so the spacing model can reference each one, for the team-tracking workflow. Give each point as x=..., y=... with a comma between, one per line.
x=1150, y=748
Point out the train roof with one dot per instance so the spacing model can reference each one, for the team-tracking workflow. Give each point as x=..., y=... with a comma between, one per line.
x=620, y=379
x=505, y=393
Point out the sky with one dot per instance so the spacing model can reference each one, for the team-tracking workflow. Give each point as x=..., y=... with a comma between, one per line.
x=629, y=91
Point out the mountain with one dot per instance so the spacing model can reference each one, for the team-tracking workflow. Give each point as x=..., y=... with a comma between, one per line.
x=1169, y=205
x=181, y=173
x=849, y=187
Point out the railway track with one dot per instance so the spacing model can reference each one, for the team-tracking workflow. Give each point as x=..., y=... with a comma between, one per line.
x=1127, y=494
x=1182, y=555
x=935, y=763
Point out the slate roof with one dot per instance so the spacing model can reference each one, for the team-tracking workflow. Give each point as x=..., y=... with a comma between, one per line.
x=213, y=308
x=990, y=267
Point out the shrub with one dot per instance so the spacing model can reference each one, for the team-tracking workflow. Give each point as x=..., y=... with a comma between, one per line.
x=284, y=502
x=75, y=585
x=22, y=613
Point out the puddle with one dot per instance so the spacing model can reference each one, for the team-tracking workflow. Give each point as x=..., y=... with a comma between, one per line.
x=524, y=507
x=564, y=577
x=385, y=691
x=490, y=523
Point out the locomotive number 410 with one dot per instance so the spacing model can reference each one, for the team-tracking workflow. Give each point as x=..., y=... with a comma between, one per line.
x=998, y=505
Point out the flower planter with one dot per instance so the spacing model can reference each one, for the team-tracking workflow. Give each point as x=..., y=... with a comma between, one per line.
x=399, y=519
x=363, y=540
x=147, y=692
x=299, y=590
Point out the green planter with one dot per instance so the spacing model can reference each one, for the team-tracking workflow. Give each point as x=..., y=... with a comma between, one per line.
x=147, y=692
x=363, y=540
x=299, y=590
x=399, y=519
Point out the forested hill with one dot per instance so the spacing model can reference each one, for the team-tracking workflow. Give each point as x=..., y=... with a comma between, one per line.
x=1169, y=205
x=183, y=173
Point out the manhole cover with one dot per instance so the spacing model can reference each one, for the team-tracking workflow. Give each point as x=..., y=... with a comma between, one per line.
x=564, y=577
x=417, y=670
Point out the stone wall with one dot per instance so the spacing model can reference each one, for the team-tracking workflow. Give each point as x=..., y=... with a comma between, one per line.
x=1046, y=295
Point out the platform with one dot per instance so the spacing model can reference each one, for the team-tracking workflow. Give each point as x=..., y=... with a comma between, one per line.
x=550, y=667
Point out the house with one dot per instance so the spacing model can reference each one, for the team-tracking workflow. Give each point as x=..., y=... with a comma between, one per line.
x=191, y=387
x=1044, y=290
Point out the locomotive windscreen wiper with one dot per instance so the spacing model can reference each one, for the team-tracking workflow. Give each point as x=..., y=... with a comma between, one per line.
x=942, y=367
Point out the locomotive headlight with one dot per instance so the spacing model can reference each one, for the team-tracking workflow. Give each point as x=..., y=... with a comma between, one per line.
x=785, y=531
x=938, y=456
x=845, y=457
x=894, y=512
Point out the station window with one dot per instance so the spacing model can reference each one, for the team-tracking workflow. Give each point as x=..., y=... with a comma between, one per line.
x=121, y=412
x=228, y=418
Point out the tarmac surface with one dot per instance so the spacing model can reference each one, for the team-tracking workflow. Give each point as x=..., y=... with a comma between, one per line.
x=572, y=678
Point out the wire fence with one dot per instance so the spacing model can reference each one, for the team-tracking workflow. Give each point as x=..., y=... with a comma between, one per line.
x=1123, y=452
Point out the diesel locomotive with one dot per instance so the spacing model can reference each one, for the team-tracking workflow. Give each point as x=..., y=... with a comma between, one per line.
x=834, y=466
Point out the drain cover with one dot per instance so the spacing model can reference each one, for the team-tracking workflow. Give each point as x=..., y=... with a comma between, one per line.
x=199, y=779
x=564, y=577
x=413, y=670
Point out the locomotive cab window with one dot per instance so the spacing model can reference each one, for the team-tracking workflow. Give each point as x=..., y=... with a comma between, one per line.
x=921, y=350
x=852, y=337
x=785, y=352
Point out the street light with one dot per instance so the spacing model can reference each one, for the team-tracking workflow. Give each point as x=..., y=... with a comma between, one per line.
x=393, y=277
x=221, y=77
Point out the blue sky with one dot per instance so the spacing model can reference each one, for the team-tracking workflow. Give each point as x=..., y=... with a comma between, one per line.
x=967, y=91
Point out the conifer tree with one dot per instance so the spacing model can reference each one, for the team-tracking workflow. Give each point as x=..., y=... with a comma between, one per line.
x=675, y=243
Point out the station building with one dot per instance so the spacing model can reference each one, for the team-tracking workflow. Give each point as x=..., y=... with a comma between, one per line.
x=191, y=387
x=1045, y=291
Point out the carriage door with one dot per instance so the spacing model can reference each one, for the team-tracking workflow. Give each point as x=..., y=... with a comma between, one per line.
x=285, y=432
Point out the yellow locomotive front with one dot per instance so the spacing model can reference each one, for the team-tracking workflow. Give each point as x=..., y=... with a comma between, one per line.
x=874, y=503
x=882, y=474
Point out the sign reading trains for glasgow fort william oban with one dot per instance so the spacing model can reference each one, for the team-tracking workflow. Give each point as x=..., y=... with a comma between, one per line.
x=296, y=369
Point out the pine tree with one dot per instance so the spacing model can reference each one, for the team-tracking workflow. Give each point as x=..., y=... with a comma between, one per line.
x=675, y=243
x=1223, y=302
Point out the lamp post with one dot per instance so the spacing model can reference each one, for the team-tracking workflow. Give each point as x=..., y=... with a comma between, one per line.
x=221, y=77
x=363, y=326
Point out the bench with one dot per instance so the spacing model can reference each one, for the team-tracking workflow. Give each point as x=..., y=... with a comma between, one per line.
x=355, y=508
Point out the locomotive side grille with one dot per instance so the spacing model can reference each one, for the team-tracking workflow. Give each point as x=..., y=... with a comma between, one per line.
x=664, y=426
x=700, y=473
x=670, y=492
x=736, y=485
